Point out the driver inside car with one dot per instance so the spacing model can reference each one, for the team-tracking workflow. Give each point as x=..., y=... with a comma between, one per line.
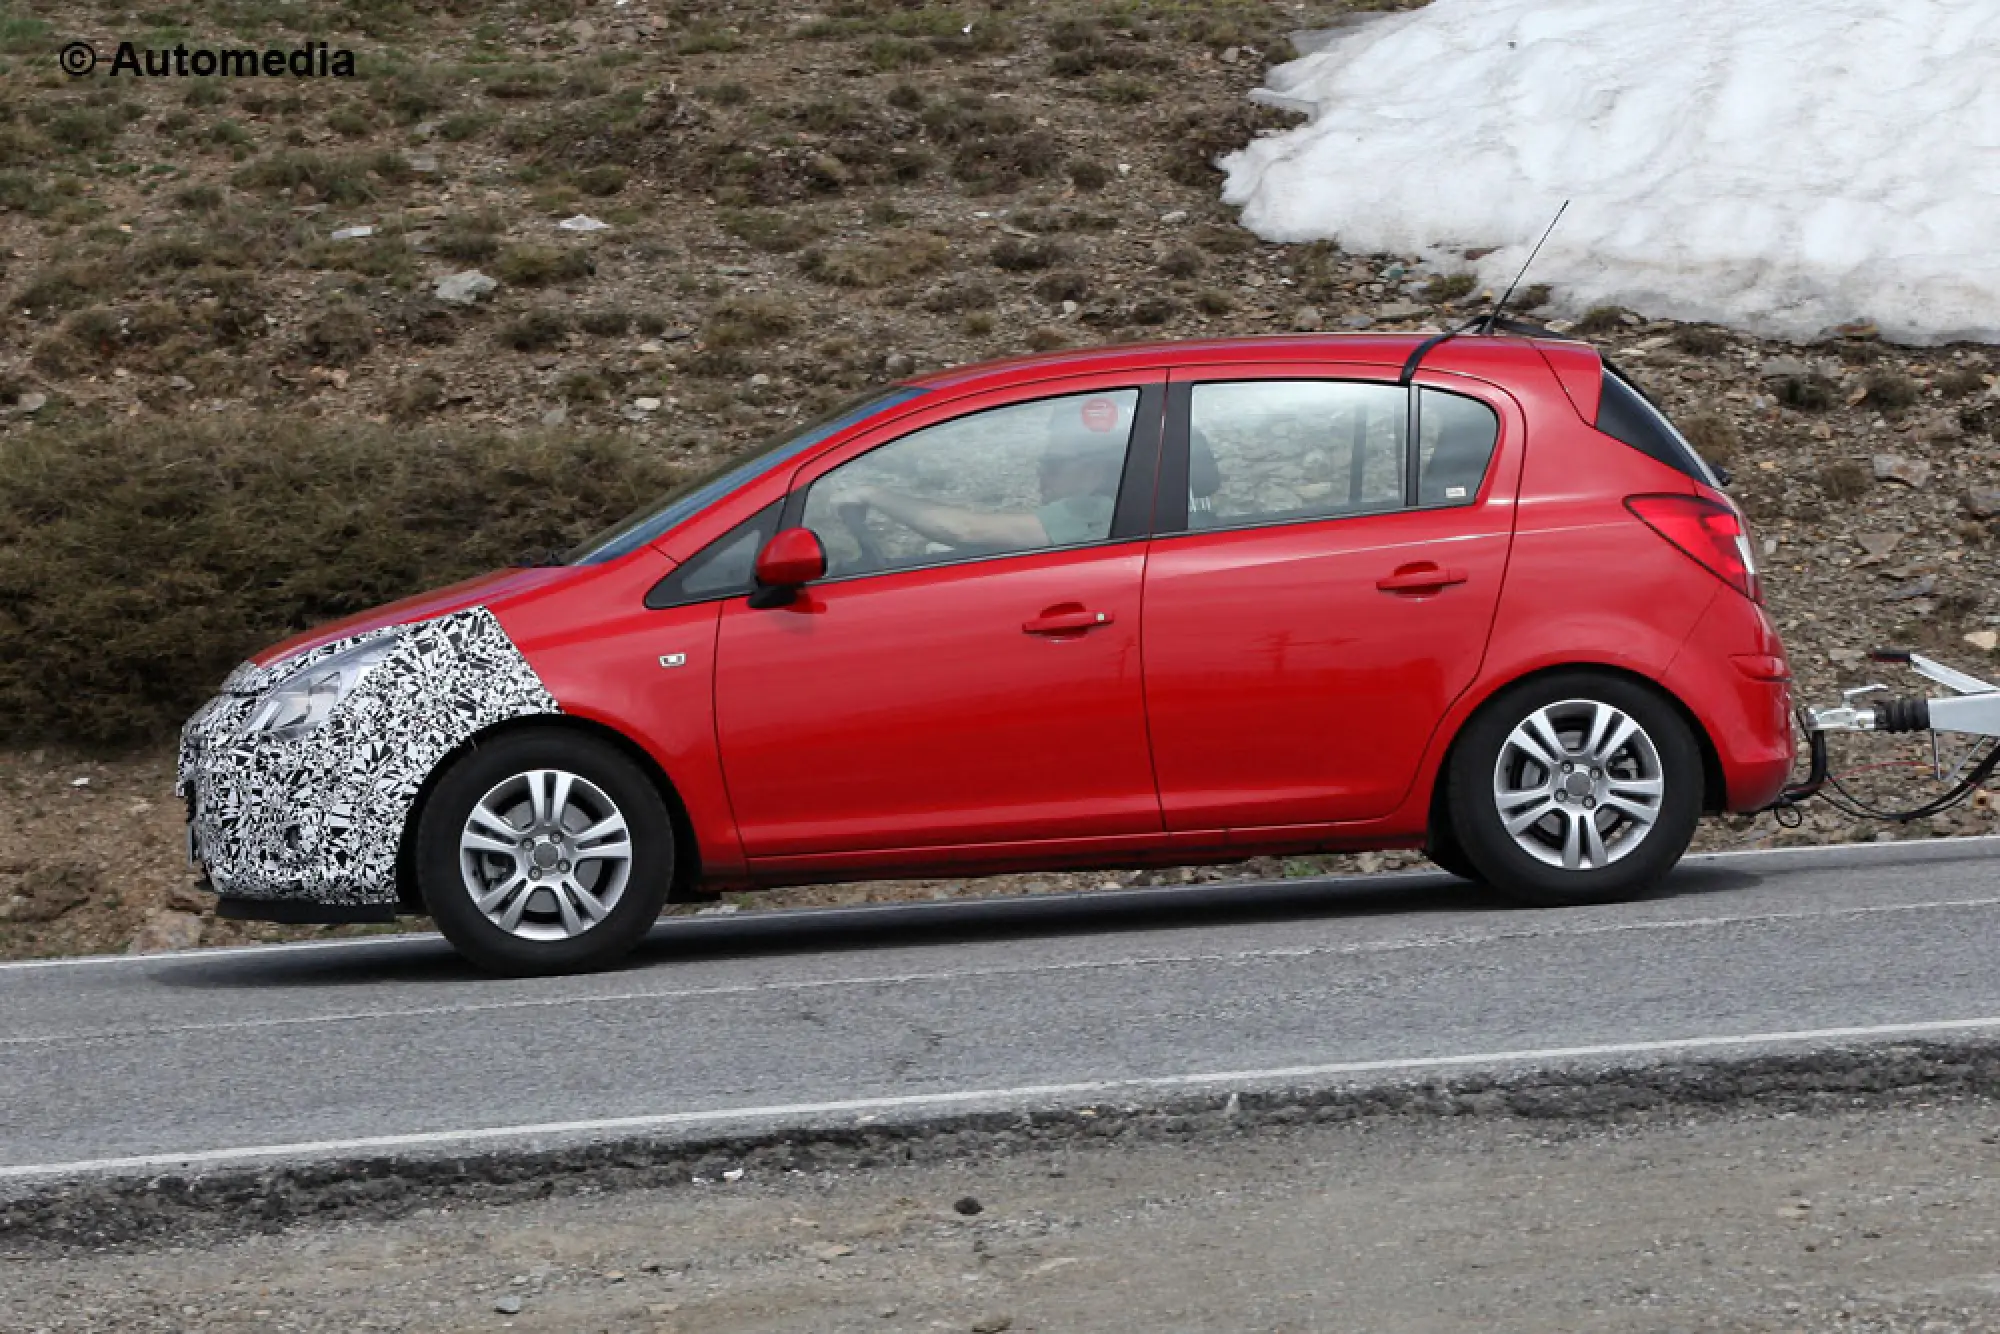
x=1078, y=474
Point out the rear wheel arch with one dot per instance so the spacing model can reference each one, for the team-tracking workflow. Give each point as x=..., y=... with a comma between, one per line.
x=1714, y=785
x=687, y=860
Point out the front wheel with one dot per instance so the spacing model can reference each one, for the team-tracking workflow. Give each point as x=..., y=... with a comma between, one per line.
x=1576, y=788
x=544, y=852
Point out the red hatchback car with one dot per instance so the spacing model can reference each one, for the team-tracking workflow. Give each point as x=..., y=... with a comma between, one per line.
x=1131, y=606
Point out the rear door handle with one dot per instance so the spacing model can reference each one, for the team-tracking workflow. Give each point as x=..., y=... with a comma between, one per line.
x=1422, y=577
x=1065, y=622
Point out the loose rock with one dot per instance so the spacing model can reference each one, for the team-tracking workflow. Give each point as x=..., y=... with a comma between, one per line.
x=463, y=289
x=1896, y=468
x=165, y=930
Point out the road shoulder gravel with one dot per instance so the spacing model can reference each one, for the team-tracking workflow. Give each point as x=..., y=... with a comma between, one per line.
x=1775, y=1196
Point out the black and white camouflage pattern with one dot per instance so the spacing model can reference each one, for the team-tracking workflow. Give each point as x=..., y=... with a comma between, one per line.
x=320, y=818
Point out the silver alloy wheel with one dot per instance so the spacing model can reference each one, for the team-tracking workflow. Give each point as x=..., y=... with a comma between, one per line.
x=1579, y=784
x=545, y=855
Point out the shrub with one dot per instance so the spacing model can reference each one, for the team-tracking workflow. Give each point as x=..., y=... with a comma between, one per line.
x=777, y=233
x=994, y=163
x=340, y=335
x=875, y=264
x=744, y=320
x=1713, y=437
x=1960, y=382
x=604, y=323
x=1063, y=285
x=604, y=179
x=1891, y=390
x=469, y=238
x=1019, y=256
x=534, y=331
x=534, y=265
x=1601, y=320
x=1449, y=287
x=337, y=180
x=140, y=560
x=1807, y=393
x=1702, y=340
x=1088, y=175
x=416, y=394
x=1844, y=479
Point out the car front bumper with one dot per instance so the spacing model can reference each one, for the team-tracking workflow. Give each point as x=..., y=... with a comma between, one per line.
x=319, y=820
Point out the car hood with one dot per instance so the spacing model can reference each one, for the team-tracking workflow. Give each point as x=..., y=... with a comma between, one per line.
x=485, y=589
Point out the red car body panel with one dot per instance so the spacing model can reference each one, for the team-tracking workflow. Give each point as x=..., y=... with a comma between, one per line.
x=910, y=709
x=1249, y=690
x=1284, y=684
x=598, y=650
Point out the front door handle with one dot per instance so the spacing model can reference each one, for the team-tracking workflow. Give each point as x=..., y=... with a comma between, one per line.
x=1423, y=576
x=1066, y=622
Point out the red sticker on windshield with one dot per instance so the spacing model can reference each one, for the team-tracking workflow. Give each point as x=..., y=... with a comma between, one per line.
x=1100, y=414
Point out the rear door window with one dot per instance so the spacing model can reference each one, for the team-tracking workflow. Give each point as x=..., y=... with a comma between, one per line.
x=1284, y=451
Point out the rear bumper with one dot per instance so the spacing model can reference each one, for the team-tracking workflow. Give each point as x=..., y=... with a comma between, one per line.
x=1732, y=673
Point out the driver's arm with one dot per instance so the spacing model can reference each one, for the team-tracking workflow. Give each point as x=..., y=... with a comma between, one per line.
x=951, y=524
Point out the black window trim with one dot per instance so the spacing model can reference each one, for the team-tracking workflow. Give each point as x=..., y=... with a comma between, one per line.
x=1170, y=517
x=1664, y=443
x=670, y=591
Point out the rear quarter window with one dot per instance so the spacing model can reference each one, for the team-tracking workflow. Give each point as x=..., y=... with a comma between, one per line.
x=1627, y=415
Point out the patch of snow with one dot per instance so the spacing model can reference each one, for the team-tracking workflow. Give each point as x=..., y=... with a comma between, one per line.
x=1779, y=165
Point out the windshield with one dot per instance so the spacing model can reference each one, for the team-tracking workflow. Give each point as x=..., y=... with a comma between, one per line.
x=653, y=522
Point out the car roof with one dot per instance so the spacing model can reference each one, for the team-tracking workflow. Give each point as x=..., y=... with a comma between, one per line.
x=1387, y=349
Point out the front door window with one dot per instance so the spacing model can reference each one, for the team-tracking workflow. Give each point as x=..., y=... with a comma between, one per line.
x=1013, y=479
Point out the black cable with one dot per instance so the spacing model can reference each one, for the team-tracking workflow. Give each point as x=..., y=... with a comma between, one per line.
x=1850, y=804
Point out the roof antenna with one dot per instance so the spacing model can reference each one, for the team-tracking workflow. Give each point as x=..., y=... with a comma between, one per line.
x=1494, y=318
x=1484, y=323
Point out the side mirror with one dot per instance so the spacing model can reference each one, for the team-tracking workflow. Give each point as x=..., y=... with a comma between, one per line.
x=793, y=557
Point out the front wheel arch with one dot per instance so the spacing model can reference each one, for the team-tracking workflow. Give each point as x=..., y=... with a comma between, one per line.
x=687, y=860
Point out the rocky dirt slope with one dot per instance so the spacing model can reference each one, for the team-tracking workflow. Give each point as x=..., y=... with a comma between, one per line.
x=795, y=204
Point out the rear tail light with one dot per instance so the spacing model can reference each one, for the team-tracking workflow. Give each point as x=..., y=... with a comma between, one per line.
x=1711, y=530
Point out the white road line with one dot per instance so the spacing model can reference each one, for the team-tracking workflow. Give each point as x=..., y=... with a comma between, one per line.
x=1030, y=1093
x=933, y=976
x=1829, y=850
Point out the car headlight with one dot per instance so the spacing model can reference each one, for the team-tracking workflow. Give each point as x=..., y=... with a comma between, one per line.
x=305, y=699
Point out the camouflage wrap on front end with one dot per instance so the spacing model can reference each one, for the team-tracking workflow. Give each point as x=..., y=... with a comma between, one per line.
x=320, y=818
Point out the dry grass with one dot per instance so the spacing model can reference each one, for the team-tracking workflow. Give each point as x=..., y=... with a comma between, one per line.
x=893, y=258
x=139, y=562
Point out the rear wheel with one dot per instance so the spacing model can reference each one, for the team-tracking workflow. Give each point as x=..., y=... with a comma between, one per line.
x=1575, y=788
x=544, y=852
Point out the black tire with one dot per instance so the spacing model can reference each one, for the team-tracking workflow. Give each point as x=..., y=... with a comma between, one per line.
x=1441, y=845
x=1636, y=856
x=607, y=776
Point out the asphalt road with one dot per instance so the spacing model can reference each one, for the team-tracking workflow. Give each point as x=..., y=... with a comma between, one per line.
x=281, y=1053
